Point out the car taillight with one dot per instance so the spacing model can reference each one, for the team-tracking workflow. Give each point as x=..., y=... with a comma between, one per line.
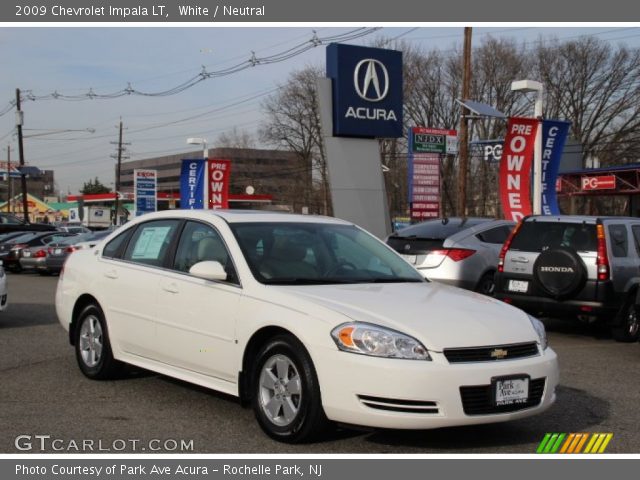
x=602, y=261
x=40, y=254
x=455, y=254
x=70, y=249
x=507, y=245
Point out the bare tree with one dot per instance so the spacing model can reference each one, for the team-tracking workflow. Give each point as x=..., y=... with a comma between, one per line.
x=595, y=86
x=235, y=138
x=293, y=122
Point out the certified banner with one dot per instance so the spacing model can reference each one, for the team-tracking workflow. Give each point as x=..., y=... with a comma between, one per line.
x=145, y=188
x=192, y=183
x=554, y=135
x=219, y=176
x=515, y=167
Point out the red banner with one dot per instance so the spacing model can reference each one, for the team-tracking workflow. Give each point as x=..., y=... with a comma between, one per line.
x=515, y=167
x=219, y=176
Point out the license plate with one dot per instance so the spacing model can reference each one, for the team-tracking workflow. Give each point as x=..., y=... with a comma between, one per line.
x=518, y=286
x=57, y=251
x=411, y=258
x=26, y=254
x=512, y=390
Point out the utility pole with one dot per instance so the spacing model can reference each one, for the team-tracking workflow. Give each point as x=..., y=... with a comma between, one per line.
x=119, y=157
x=463, y=164
x=23, y=178
x=9, y=178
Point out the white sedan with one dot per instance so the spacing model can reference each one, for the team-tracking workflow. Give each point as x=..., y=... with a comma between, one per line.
x=308, y=319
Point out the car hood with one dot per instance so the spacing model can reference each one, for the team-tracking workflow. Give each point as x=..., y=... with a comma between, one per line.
x=438, y=315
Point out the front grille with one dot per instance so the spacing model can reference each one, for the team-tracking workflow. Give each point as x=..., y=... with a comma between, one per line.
x=477, y=400
x=396, y=405
x=492, y=353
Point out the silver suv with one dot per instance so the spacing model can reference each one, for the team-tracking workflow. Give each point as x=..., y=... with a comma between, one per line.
x=565, y=265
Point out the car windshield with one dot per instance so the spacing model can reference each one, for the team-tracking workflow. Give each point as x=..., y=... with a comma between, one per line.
x=318, y=253
x=439, y=229
x=24, y=237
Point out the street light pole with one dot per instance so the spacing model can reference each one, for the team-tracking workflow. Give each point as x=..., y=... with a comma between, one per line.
x=533, y=86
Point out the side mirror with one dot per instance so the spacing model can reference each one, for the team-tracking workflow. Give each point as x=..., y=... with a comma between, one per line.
x=209, y=270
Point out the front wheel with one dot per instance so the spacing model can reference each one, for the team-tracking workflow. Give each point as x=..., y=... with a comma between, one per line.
x=286, y=394
x=628, y=326
x=93, y=350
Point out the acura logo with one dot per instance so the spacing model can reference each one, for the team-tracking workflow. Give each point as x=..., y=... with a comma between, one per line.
x=407, y=247
x=374, y=86
x=557, y=269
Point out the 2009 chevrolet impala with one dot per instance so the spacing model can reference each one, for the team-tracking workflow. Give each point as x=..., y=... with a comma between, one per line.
x=308, y=319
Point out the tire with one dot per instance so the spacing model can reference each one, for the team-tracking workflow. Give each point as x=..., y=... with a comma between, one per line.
x=93, y=350
x=627, y=328
x=560, y=273
x=291, y=414
x=487, y=285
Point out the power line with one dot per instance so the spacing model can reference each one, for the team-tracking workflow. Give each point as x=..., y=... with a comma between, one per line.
x=253, y=61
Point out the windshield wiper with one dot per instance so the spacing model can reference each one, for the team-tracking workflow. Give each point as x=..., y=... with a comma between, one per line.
x=392, y=280
x=304, y=281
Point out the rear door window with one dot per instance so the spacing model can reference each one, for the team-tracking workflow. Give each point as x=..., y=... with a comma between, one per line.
x=151, y=241
x=636, y=237
x=619, y=241
x=541, y=236
x=496, y=235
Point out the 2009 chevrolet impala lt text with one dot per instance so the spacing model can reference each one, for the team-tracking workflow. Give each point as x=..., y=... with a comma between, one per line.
x=310, y=320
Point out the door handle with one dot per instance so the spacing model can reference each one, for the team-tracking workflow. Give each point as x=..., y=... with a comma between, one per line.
x=171, y=288
x=520, y=260
x=111, y=274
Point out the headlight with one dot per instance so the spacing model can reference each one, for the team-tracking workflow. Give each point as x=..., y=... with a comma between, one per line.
x=538, y=326
x=368, y=339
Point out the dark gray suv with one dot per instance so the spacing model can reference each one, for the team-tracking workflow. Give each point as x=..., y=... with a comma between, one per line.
x=564, y=265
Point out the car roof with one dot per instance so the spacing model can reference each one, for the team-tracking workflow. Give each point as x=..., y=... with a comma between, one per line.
x=245, y=216
x=575, y=218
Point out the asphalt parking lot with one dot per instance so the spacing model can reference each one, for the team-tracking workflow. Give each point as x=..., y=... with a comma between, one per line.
x=42, y=392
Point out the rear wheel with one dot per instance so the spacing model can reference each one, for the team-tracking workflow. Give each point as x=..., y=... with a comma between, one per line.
x=627, y=328
x=93, y=350
x=486, y=284
x=286, y=393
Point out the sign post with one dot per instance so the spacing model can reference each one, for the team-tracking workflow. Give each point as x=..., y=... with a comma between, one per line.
x=145, y=188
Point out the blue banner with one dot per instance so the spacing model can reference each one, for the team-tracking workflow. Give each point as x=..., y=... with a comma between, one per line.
x=192, y=183
x=554, y=135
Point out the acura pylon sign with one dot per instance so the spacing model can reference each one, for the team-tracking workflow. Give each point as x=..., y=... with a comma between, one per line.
x=367, y=91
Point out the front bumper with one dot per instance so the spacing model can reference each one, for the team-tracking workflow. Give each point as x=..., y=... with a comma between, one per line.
x=348, y=382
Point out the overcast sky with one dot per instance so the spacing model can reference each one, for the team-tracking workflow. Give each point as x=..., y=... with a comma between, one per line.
x=72, y=61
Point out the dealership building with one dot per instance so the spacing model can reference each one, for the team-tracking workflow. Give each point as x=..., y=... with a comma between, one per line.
x=260, y=178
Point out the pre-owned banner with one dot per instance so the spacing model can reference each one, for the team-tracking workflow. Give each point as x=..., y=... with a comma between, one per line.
x=192, y=184
x=219, y=175
x=554, y=135
x=515, y=167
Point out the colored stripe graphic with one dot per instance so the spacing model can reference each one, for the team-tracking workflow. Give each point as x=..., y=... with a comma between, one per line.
x=574, y=443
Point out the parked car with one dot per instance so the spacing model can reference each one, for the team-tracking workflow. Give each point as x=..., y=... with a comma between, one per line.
x=4, y=296
x=11, y=223
x=25, y=248
x=57, y=253
x=588, y=267
x=7, y=245
x=308, y=319
x=462, y=252
x=78, y=229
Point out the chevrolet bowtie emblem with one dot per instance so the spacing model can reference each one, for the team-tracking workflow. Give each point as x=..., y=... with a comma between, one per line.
x=498, y=353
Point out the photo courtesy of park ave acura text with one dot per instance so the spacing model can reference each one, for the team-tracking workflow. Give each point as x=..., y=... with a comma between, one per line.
x=337, y=239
